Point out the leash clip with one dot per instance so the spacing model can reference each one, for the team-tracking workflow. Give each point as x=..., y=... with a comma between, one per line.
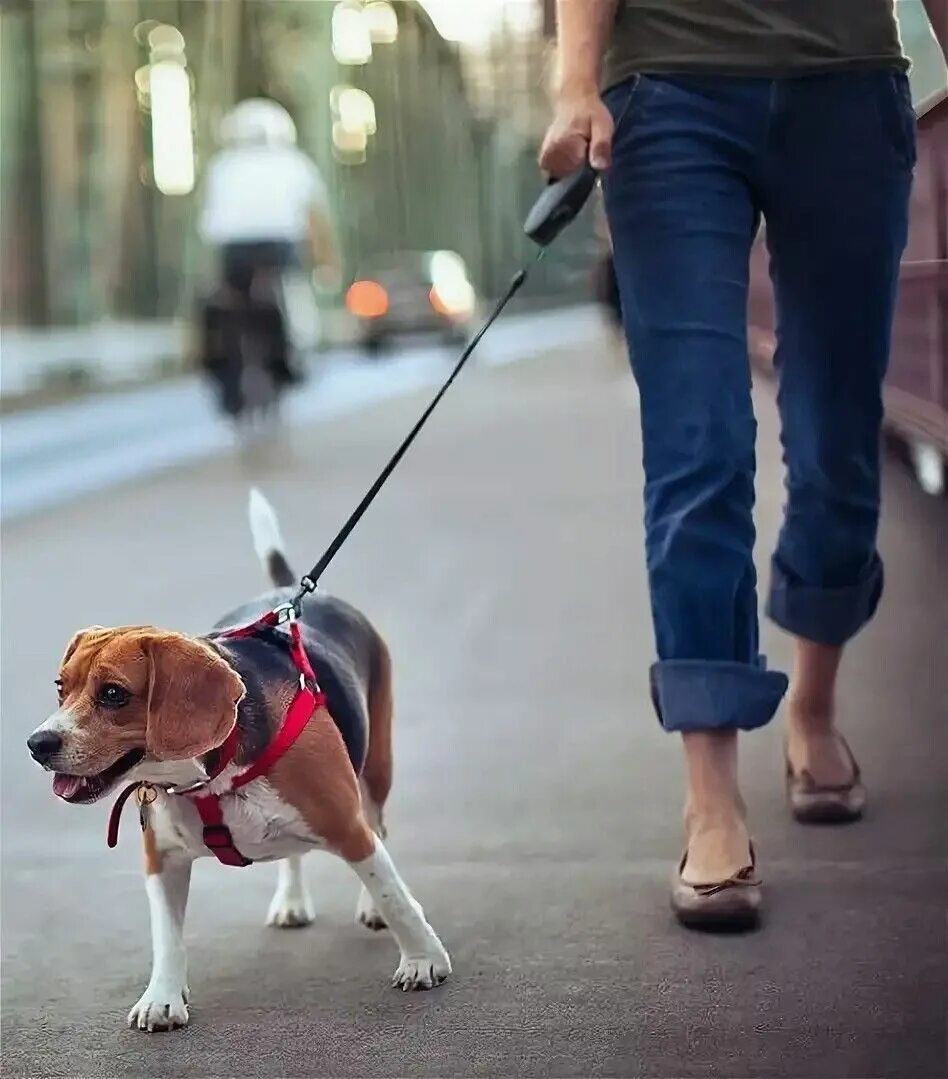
x=307, y=587
x=286, y=613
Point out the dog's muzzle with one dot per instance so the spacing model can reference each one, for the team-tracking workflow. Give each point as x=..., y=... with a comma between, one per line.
x=44, y=745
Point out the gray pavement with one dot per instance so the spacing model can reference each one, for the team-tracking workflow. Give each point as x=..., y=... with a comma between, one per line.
x=536, y=806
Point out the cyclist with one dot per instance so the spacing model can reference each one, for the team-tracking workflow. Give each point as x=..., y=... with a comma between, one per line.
x=265, y=211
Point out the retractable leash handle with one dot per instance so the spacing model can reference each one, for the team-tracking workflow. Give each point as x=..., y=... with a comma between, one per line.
x=556, y=207
x=559, y=204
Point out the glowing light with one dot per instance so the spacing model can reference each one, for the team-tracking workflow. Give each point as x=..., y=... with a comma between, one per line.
x=164, y=38
x=334, y=94
x=383, y=22
x=171, y=136
x=356, y=110
x=367, y=299
x=455, y=302
x=351, y=38
x=348, y=146
x=347, y=140
x=451, y=293
x=474, y=22
x=447, y=268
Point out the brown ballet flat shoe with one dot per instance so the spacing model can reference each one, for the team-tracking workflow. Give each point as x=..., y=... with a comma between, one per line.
x=811, y=803
x=727, y=905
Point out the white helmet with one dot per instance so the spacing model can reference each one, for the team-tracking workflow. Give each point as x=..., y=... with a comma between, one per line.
x=258, y=122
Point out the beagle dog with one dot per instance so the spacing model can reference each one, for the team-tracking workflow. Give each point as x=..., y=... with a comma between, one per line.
x=143, y=705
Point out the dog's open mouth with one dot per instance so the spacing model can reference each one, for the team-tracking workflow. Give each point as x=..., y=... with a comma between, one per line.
x=81, y=789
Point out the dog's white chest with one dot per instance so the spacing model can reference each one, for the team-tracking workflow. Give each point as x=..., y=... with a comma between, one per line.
x=264, y=827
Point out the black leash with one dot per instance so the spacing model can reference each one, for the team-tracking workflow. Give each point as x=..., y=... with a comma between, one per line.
x=556, y=207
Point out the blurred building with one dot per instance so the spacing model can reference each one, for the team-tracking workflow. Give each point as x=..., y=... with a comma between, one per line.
x=109, y=110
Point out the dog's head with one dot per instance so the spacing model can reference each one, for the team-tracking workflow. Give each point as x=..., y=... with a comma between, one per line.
x=133, y=700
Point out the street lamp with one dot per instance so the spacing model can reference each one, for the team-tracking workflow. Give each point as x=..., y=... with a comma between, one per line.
x=356, y=110
x=351, y=36
x=383, y=22
x=354, y=121
x=169, y=98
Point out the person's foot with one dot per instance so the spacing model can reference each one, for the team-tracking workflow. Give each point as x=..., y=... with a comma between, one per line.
x=718, y=846
x=815, y=747
x=716, y=887
x=823, y=779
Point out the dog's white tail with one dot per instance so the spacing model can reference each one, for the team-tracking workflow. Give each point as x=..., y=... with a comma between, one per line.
x=268, y=541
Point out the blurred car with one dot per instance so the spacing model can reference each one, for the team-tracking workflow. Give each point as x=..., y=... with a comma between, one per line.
x=916, y=389
x=413, y=292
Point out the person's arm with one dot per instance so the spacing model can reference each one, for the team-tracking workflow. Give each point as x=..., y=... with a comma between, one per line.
x=582, y=125
x=323, y=247
x=322, y=239
x=583, y=28
x=324, y=250
x=207, y=197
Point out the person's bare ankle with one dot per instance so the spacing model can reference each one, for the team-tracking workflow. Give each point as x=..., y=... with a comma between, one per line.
x=814, y=745
x=718, y=842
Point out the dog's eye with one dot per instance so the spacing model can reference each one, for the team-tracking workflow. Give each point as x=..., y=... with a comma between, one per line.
x=113, y=695
x=60, y=693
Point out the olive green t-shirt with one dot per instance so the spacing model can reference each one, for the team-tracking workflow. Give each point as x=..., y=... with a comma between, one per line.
x=769, y=38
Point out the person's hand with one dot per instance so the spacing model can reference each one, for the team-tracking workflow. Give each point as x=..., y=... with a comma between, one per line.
x=581, y=128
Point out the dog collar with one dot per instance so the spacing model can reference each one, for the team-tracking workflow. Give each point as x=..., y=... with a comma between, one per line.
x=307, y=699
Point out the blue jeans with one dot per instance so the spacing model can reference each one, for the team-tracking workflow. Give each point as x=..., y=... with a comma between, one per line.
x=827, y=162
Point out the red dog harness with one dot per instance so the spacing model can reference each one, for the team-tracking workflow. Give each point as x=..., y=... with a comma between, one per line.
x=216, y=834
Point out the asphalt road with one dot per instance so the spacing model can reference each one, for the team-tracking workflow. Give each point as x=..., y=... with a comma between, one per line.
x=63, y=452
x=536, y=806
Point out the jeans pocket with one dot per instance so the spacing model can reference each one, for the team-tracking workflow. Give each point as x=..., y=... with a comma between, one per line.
x=893, y=96
x=618, y=99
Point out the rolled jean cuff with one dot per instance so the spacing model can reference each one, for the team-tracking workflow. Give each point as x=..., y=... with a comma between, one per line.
x=825, y=615
x=714, y=695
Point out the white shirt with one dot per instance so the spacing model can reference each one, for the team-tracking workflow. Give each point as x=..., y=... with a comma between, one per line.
x=258, y=193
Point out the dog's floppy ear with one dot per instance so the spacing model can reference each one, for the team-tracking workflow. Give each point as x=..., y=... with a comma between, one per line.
x=79, y=638
x=192, y=697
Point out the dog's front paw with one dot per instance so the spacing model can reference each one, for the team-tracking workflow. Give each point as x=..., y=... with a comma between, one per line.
x=161, y=1007
x=290, y=910
x=423, y=971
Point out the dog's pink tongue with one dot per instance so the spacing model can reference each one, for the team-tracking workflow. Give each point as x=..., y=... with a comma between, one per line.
x=66, y=786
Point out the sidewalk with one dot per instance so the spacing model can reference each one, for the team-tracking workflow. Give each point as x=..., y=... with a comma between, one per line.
x=104, y=354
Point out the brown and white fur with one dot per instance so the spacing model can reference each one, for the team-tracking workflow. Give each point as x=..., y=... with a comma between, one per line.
x=142, y=704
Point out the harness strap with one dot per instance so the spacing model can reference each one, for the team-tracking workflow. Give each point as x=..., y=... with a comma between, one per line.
x=299, y=713
x=217, y=836
x=298, y=654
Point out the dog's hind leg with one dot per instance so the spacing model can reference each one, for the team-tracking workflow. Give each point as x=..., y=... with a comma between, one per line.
x=367, y=913
x=376, y=779
x=291, y=906
x=333, y=811
x=164, y=1004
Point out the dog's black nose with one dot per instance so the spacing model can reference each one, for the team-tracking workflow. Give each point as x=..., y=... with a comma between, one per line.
x=44, y=745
